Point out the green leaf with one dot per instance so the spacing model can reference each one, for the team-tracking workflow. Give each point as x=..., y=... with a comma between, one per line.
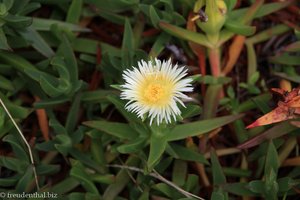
x=158, y=145
x=30, y=7
x=264, y=10
x=179, y=172
x=217, y=172
x=122, y=179
x=17, y=22
x=254, y=78
x=230, y=4
x=16, y=61
x=78, y=172
x=22, y=185
x=159, y=45
x=85, y=45
x=6, y=84
x=44, y=169
x=17, y=147
x=127, y=45
x=65, y=186
x=51, y=102
x=271, y=185
x=96, y=96
x=211, y=80
x=40, y=24
x=168, y=191
x=285, y=59
x=239, y=28
x=286, y=183
x=120, y=130
x=241, y=189
x=191, y=111
x=294, y=47
x=2, y=119
x=185, y=153
x=11, y=181
x=53, y=90
x=80, y=196
x=70, y=59
x=37, y=42
x=16, y=8
x=217, y=196
x=154, y=16
x=72, y=118
x=272, y=162
x=13, y=164
x=120, y=105
x=133, y=146
x=3, y=9
x=74, y=12
x=200, y=127
x=64, y=144
x=262, y=105
x=60, y=66
x=256, y=186
x=191, y=182
x=272, y=133
x=294, y=78
x=3, y=41
x=185, y=34
x=106, y=179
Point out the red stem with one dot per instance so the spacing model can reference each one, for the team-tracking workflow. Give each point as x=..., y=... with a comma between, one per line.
x=214, y=60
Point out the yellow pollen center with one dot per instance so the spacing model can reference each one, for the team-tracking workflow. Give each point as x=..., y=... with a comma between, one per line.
x=154, y=93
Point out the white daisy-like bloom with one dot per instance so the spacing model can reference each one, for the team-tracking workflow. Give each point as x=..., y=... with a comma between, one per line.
x=155, y=88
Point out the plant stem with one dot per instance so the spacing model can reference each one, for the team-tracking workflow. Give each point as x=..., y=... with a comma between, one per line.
x=214, y=60
x=156, y=175
x=26, y=143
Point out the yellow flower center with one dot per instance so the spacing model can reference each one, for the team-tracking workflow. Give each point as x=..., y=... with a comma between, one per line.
x=156, y=90
x=154, y=93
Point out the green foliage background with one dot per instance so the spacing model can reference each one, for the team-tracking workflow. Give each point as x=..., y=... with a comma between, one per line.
x=47, y=52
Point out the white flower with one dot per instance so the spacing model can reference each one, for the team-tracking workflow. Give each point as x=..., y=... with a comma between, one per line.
x=155, y=88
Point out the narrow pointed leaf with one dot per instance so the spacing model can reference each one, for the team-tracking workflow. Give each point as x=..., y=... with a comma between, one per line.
x=185, y=34
x=200, y=127
x=120, y=130
x=239, y=28
x=157, y=147
x=37, y=42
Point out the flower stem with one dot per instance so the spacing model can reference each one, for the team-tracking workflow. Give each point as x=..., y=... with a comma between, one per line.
x=214, y=60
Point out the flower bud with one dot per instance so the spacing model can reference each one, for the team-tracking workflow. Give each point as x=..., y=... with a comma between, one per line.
x=215, y=11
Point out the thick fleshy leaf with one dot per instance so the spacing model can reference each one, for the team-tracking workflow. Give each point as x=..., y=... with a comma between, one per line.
x=200, y=127
x=3, y=41
x=122, y=179
x=185, y=34
x=217, y=172
x=40, y=24
x=286, y=59
x=120, y=130
x=239, y=28
x=294, y=47
x=74, y=12
x=22, y=184
x=37, y=42
x=185, y=153
x=79, y=172
x=157, y=147
x=133, y=145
